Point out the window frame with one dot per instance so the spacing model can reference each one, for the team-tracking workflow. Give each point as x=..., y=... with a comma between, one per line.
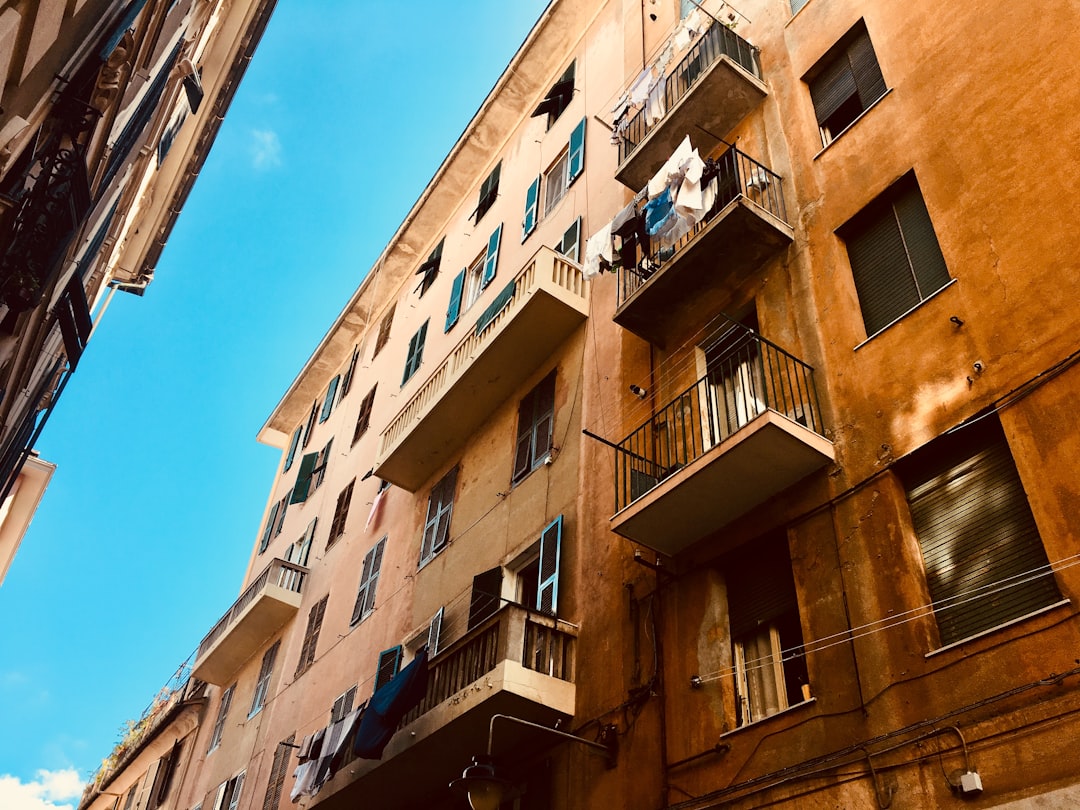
x=218, y=729
x=414, y=357
x=369, y=580
x=279, y=769
x=440, y=510
x=311, y=636
x=363, y=418
x=385, y=325
x=562, y=248
x=341, y=513
x=489, y=192
x=328, y=399
x=262, y=683
x=850, y=69
x=293, y=445
x=535, y=408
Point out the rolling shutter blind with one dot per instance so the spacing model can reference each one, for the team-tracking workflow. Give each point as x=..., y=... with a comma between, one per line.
x=865, y=69
x=491, y=261
x=454, y=309
x=532, y=199
x=577, y=153
x=985, y=562
x=547, y=595
x=834, y=85
x=760, y=585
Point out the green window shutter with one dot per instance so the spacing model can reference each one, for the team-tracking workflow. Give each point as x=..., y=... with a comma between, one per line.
x=346, y=381
x=570, y=246
x=500, y=302
x=547, y=592
x=328, y=402
x=387, y=668
x=492, y=258
x=303, y=478
x=310, y=427
x=532, y=199
x=454, y=310
x=416, y=353
x=269, y=527
x=292, y=447
x=576, y=163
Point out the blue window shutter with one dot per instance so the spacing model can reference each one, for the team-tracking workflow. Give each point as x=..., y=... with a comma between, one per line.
x=547, y=593
x=492, y=258
x=269, y=527
x=387, y=668
x=434, y=629
x=303, y=478
x=454, y=309
x=292, y=447
x=576, y=163
x=328, y=403
x=532, y=199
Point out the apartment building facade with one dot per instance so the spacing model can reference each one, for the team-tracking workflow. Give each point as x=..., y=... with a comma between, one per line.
x=107, y=111
x=709, y=407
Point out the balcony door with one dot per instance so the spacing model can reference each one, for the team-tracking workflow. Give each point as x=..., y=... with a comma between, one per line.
x=734, y=380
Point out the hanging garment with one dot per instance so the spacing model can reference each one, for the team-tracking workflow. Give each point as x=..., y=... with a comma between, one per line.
x=655, y=104
x=639, y=90
x=375, y=508
x=689, y=202
x=598, y=252
x=673, y=167
x=658, y=211
x=388, y=705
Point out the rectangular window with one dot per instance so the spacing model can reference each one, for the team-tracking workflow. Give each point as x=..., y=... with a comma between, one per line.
x=310, y=427
x=328, y=400
x=434, y=636
x=555, y=182
x=282, y=506
x=228, y=793
x=558, y=97
x=219, y=723
x=292, y=447
x=415, y=354
x=166, y=770
x=437, y=525
x=319, y=473
x=984, y=559
x=311, y=636
x=896, y=261
x=384, y=331
x=387, y=667
x=486, y=596
x=262, y=685
x=346, y=381
x=369, y=578
x=311, y=474
x=489, y=191
x=343, y=705
x=536, y=417
x=341, y=514
x=532, y=201
x=570, y=244
x=766, y=636
x=299, y=551
x=845, y=82
x=363, y=419
x=268, y=530
x=278, y=771
x=430, y=269
x=457, y=291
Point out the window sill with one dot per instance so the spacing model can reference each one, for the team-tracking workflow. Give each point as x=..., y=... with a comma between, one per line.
x=763, y=720
x=858, y=118
x=893, y=323
x=997, y=628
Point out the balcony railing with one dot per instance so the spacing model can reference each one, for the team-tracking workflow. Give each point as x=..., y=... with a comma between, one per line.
x=538, y=643
x=549, y=300
x=744, y=432
x=744, y=227
x=263, y=608
x=710, y=90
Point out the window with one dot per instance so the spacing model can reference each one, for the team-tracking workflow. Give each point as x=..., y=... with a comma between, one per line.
x=555, y=182
x=474, y=279
x=895, y=259
x=262, y=685
x=570, y=244
x=343, y=705
x=536, y=572
x=363, y=419
x=219, y=723
x=984, y=559
x=558, y=97
x=282, y=506
x=437, y=524
x=163, y=777
x=292, y=447
x=328, y=400
x=415, y=354
x=384, y=331
x=278, y=771
x=310, y=423
x=298, y=552
x=430, y=269
x=341, y=514
x=536, y=416
x=228, y=793
x=766, y=637
x=532, y=199
x=271, y=522
x=346, y=381
x=311, y=474
x=685, y=7
x=311, y=636
x=130, y=800
x=387, y=667
x=796, y=5
x=434, y=635
x=486, y=596
x=369, y=578
x=489, y=190
x=845, y=83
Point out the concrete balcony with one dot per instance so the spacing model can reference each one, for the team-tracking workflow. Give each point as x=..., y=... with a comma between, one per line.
x=548, y=301
x=516, y=662
x=688, y=284
x=263, y=609
x=747, y=431
x=708, y=93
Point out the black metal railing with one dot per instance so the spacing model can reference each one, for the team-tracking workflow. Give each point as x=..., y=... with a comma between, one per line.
x=735, y=174
x=718, y=41
x=746, y=377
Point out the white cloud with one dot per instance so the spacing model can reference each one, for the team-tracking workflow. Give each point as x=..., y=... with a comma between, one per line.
x=49, y=790
x=265, y=149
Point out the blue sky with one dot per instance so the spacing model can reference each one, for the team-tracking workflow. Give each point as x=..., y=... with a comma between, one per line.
x=140, y=543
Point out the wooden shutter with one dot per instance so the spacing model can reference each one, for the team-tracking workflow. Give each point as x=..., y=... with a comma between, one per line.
x=491, y=261
x=303, y=478
x=387, y=667
x=346, y=381
x=376, y=567
x=328, y=401
x=486, y=596
x=310, y=427
x=262, y=685
x=544, y=419
x=365, y=575
x=311, y=635
x=237, y=785
x=456, y=292
x=576, y=164
x=523, y=446
x=292, y=447
x=532, y=201
x=341, y=513
x=363, y=419
x=760, y=584
x=164, y=776
x=547, y=592
x=270, y=522
x=278, y=771
x=984, y=559
x=219, y=723
x=416, y=353
x=434, y=630
x=282, y=506
x=343, y=705
x=369, y=578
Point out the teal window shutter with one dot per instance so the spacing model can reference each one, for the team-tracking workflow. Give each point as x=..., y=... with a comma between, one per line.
x=502, y=300
x=292, y=447
x=416, y=353
x=456, y=292
x=269, y=527
x=303, y=478
x=532, y=199
x=576, y=163
x=328, y=402
x=388, y=666
x=492, y=258
x=547, y=593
